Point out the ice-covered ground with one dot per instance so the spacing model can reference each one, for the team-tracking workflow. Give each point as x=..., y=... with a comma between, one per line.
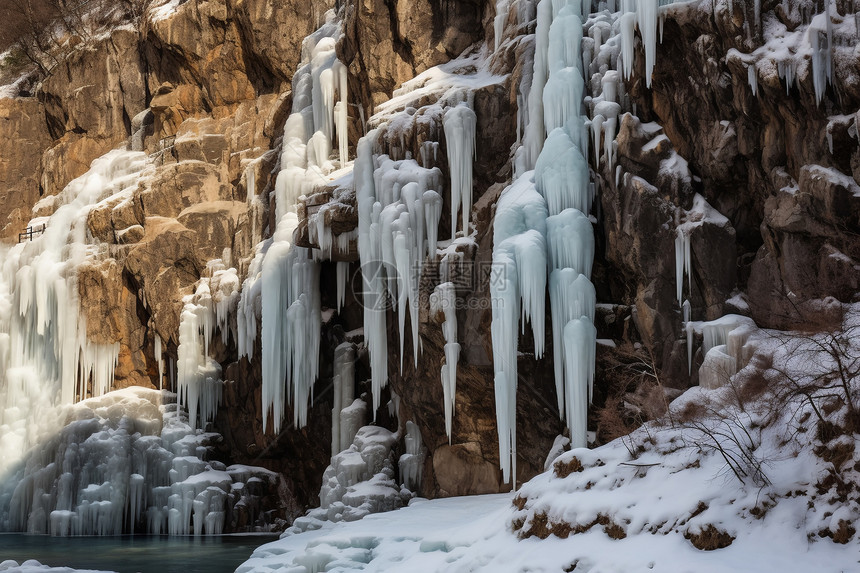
x=33, y=566
x=473, y=534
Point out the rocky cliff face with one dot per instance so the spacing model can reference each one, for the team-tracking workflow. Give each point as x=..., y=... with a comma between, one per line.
x=779, y=164
x=205, y=89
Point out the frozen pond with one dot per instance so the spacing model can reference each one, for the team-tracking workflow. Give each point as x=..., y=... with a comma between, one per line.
x=130, y=554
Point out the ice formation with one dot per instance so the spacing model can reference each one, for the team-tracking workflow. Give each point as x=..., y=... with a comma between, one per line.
x=460, y=123
x=159, y=357
x=820, y=41
x=542, y=228
x=570, y=241
x=644, y=15
x=346, y=417
x=444, y=300
x=579, y=353
x=127, y=462
x=342, y=278
x=502, y=7
x=359, y=481
x=411, y=463
x=45, y=356
x=284, y=287
x=682, y=261
x=561, y=174
x=198, y=378
x=399, y=208
x=726, y=347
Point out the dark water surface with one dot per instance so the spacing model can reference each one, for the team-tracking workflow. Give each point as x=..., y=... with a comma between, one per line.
x=131, y=554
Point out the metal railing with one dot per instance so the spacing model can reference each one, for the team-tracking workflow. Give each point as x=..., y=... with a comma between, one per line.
x=165, y=145
x=30, y=232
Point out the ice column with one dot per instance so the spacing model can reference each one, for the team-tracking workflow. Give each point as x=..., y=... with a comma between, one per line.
x=342, y=431
x=445, y=300
x=516, y=288
x=541, y=221
x=288, y=292
x=460, y=123
x=411, y=463
x=535, y=132
x=579, y=345
x=199, y=383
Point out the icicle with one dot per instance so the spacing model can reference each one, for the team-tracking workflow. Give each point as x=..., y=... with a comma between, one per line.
x=343, y=429
x=323, y=85
x=752, y=78
x=580, y=341
x=572, y=296
x=404, y=271
x=342, y=273
x=682, y=262
x=820, y=33
x=432, y=215
x=460, y=123
x=444, y=300
x=411, y=463
x=159, y=358
x=535, y=131
x=627, y=23
x=505, y=300
x=596, y=132
x=647, y=19
x=688, y=328
x=341, y=111
x=499, y=22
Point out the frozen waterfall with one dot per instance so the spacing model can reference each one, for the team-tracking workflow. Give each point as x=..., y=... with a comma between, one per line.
x=46, y=358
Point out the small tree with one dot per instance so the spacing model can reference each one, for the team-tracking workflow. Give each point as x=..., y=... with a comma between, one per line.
x=824, y=367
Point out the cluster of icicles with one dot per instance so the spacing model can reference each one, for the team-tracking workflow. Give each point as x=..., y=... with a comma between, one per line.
x=542, y=237
x=283, y=281
x=542, y=231
x=820, y=41
x=198, y=376
x=542, y=228
x=45, y=356
x=400, y=206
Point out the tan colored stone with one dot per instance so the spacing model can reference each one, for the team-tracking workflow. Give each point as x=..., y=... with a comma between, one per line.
x=462, y=470
x=110, y=311
x=164, y=265
x=214, y=224
x=23, y=139
x=178, y=186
